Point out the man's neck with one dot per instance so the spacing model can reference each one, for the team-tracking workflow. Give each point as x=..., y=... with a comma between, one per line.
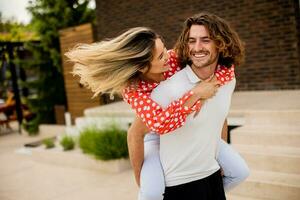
x=204, y=72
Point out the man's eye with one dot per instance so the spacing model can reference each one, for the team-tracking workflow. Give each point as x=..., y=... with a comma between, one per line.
x=191, y=41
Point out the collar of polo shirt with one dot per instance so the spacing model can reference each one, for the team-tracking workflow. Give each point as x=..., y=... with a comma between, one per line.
x=192, y=76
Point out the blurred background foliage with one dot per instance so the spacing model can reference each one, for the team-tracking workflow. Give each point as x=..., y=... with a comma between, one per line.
x=43, y=62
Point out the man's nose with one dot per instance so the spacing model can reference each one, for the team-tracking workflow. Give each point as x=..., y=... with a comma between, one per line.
x=198, y=46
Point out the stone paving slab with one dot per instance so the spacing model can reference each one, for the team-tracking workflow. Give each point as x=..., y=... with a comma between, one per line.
x=23, y=178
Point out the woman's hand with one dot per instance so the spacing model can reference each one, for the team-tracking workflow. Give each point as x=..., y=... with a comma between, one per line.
x=207, y=88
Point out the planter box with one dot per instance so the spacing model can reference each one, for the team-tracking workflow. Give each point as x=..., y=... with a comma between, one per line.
x=75, y=158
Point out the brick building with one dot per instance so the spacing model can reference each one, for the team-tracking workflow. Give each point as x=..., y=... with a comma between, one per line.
x=269, y=28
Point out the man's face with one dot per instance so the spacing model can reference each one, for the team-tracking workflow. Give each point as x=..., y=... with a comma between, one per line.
x=202, y=49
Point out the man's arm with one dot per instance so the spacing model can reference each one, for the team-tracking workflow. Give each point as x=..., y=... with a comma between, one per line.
x=135, y=141
x=224, y=134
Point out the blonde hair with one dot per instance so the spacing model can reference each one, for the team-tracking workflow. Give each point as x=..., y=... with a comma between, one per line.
x=228, y=43
x=110, y=65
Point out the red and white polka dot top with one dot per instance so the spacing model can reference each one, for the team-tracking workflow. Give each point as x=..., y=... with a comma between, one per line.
x=166, y=120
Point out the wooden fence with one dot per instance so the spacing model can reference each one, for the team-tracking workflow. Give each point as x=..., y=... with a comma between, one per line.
x=78, y=97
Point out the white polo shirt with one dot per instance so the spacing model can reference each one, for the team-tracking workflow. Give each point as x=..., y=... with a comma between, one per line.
x=189, y=153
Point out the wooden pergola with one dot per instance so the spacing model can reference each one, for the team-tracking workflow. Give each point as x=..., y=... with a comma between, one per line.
x=7, y=63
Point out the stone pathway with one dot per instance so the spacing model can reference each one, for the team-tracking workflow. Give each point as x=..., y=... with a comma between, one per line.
x=22, y=178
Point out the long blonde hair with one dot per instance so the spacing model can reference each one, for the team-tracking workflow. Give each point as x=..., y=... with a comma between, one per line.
x=110, y=65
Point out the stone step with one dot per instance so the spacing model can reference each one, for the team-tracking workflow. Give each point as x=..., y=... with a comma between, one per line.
x=75, y=159
x=100, y=122
x=270, y=185
x=276, y=129
x=46, y=131
x=266, y=100
x=286, y=117
x=271, y=158
x=116, y=109
x=238, y=197
x=51, y=129
x=281, y=136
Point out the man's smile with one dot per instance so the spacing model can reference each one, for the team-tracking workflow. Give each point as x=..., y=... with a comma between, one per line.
x=199, y=55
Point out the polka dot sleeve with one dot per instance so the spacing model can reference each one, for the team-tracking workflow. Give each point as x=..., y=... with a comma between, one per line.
x=224, y=74
x=174, y=116
x=155, y=117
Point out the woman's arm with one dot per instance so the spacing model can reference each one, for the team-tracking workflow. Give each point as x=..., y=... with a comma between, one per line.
x=174, y=115
x=165, y=120
x=135, y=141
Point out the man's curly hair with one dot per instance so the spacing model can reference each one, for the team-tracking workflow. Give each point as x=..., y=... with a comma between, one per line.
x=230, y=47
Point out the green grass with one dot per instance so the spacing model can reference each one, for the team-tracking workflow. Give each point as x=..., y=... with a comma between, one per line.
x=49, y=143
x=105, y=144
x=67, y=143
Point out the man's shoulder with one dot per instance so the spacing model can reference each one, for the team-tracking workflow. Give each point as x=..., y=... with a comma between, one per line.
x=170, y=89
x=178, y=76
x=231, y=84
x=171, y=84
x=228, y=88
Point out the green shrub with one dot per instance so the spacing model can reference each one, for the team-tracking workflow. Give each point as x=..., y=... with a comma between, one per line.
x=49, y=143
x=32, y=126
x=104, y=144
x=87, y=139
x=67, y=143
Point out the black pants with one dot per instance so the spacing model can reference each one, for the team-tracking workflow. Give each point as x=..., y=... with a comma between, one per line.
x=209, y=188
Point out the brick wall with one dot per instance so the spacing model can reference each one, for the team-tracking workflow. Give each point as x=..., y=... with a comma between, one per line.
x=269, y=28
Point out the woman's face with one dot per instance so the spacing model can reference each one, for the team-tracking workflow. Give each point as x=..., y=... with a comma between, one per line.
x=159, y=64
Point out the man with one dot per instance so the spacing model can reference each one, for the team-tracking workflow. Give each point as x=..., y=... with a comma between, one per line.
x=188, y=154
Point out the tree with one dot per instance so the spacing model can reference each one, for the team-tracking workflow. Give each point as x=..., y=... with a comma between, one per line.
x=13, y=31
x=48, y=17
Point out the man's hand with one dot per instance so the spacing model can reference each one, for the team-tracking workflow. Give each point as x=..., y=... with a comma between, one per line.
x=135, y=140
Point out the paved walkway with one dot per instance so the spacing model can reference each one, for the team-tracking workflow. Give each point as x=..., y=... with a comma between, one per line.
x=22, y=178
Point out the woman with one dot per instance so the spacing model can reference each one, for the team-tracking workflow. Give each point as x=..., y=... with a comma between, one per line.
x=133, y=64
